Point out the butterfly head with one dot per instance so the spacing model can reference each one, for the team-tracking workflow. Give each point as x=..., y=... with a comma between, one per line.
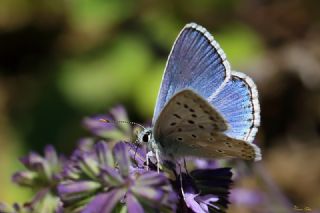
x=145, y=136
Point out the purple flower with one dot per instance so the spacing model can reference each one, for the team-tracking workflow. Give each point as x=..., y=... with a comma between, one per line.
x=42, y=171
x=42, y=175
x=206, y=190
x=102, y=180
x=111, y=176
x=113, y=131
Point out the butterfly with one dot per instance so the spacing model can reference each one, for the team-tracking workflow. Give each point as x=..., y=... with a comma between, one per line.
x=203, y=108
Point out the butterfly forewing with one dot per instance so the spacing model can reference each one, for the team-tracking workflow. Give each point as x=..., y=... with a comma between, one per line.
x=196, y=62
x=189, y=126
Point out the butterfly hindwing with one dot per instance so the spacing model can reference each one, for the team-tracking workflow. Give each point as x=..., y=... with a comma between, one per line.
x=189, y=126
x=238, y=104
x=211, y=145
x=196, y=62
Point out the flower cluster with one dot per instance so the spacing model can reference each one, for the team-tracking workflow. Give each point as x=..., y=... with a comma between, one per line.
x=107, y=173
x=101, y=180
x=42, y=175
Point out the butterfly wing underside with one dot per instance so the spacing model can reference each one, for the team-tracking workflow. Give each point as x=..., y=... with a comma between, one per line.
x=189, y=126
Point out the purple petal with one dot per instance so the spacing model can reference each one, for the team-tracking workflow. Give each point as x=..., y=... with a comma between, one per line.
x=121, y=156
x=192, y=204
x=85, y=144
x=149, y=193
x=70, y=171
x=105, y=202
x=44, y=169
x=133, y=204
x=76, y=154
x=104, y=154
x=134, y=171
x=207, y=200
x=74, y=190
x=192, y=198
x=88, y=164
x=156, y=189
x=151, y=178
x=35, y=162
x=51, y=155
x=119, y=113
x=96, y=125
x=110, y=176
x=29, y=160
x=137, y=154
x=24, y=178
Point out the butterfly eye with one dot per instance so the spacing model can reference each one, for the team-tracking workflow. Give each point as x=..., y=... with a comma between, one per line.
x=146, y=137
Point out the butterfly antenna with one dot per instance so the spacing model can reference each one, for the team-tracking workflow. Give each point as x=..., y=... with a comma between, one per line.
x=181, y=181
x=124, y=122
x=135, y=152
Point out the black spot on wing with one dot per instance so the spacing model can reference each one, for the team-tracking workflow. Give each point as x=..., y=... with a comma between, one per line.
x=177, y=116
x=190, y=121
x=179, y=138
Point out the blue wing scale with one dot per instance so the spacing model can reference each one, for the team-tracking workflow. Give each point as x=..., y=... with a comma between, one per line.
x=196, y=62
x=238, y=103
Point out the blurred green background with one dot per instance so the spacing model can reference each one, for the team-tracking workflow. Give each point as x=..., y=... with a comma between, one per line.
x=62, y=60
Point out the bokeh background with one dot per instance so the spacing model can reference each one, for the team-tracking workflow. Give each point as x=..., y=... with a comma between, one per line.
x=62, y=60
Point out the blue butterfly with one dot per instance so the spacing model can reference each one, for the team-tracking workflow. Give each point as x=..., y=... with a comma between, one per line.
x=203, y=108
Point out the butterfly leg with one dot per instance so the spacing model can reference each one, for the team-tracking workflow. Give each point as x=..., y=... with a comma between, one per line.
x=181, y=183
x=158, y=161
x=149, y=154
